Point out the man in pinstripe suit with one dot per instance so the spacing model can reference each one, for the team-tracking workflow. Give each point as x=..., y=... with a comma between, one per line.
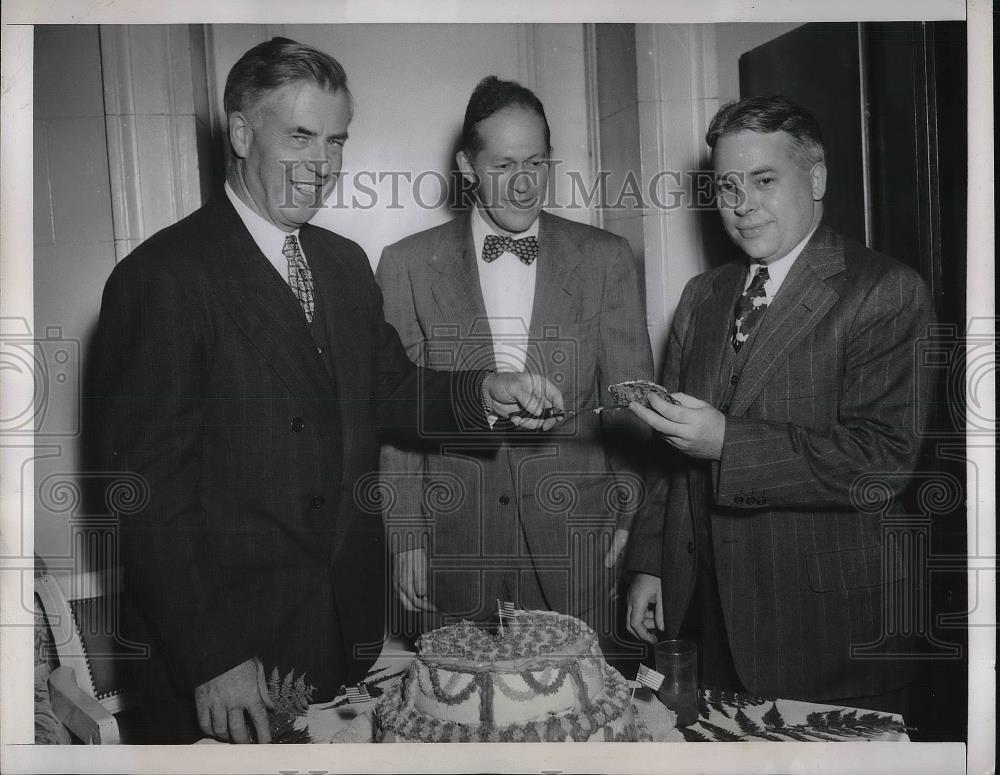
x=795, y=372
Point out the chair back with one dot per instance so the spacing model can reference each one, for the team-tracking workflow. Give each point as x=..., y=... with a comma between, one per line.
x=83, y=616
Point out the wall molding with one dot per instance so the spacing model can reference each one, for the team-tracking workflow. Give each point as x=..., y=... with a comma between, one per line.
x=592, y=108
x=150, y=99
x=678, y=89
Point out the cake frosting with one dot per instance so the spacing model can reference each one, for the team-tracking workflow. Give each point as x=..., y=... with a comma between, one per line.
x=543, y=679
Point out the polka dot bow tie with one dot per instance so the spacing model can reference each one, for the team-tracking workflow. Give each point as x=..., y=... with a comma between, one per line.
x=525, y=249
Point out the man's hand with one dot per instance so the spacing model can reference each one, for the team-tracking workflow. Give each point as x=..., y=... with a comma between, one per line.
x=694, y=428
x=510, y=392
x=409, y=578
x=618, y=543
x=643, y=592
x=223, y=701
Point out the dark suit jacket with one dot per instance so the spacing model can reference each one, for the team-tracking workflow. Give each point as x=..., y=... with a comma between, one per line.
x=545, y=507
x=252, y=540
x=827, y=396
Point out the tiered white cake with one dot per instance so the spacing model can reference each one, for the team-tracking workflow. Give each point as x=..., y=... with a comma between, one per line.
x=544, y=679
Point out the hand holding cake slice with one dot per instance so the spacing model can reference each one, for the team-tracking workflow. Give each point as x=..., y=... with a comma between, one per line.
x=638, y=390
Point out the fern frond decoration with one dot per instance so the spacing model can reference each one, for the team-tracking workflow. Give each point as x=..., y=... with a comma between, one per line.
x=751, y=727
x=692, y=735
x=290, y=696
x=720, y=734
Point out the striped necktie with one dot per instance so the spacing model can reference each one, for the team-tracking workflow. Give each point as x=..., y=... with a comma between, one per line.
x=300, y=278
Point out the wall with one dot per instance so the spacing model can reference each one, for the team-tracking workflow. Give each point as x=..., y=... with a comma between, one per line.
x=74, y=252
x=408, y=118
x=120, y=120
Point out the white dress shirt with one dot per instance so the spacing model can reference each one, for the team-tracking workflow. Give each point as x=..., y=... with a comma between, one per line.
x=778, y=270
x=508, y=287
x=269, y=238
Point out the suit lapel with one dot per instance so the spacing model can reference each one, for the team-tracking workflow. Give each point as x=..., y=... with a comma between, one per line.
x=263, y=307
x=804, y=298
x=340, y=313
x=456, y=288
x=711, y=327
x=558, y=257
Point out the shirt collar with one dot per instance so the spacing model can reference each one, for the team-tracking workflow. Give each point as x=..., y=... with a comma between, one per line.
x=481, y=228
x=269, y=238
x=778, y=269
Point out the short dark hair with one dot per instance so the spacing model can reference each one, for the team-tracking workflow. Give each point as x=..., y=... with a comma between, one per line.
x=490, y=96
x=268, y=66
x=767, y=115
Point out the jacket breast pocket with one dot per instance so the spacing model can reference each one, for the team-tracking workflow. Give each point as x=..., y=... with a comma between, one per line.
x=866, y=566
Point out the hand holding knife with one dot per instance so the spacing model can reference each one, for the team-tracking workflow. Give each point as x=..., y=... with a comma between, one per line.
x=552, y=411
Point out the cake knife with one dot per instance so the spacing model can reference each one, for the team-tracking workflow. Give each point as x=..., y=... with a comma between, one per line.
x=552, y=411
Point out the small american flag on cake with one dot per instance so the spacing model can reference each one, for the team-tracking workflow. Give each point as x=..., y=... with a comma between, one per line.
x=507, y=608
x=649, y=678
x=357, y=694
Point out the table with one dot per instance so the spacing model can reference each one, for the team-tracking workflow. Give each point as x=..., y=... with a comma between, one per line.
x=724, y=716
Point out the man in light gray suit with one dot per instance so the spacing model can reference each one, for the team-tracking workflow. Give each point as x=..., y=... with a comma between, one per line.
x=537, y=521
x=797, y=377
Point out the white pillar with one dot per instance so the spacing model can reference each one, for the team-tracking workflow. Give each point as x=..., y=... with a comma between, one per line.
x=156, y=106
x=678, y=94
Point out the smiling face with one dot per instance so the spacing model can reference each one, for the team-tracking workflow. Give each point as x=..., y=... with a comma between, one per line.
x=511, y=169
x=289, y=149
x=768, y=197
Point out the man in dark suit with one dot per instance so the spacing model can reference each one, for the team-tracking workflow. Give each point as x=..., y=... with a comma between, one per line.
x=539, y=522
x=244, y=369
x=797, y=376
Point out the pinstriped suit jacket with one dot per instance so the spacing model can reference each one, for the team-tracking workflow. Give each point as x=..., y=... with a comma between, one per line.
x=826, y=395
x=544, y=505
x=208, y=384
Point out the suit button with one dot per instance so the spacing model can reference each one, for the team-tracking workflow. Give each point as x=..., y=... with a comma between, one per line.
x=298, y=424
x=504, y=500
x=733, y=380
x=371, y=396
x=690, y=547
x=318, y=501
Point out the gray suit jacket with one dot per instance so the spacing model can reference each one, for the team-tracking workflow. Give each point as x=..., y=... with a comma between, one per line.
x=821, y=424
x=539, y=510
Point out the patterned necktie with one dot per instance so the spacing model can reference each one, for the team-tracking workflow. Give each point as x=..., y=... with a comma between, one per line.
x=525, y=249
x=300, y=278
x=750, y=308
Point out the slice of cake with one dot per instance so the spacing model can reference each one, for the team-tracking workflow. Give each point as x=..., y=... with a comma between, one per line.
x=543, y=679
x=638, y=390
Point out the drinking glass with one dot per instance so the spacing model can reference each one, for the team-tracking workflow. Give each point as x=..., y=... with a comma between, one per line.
x=677, y=660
